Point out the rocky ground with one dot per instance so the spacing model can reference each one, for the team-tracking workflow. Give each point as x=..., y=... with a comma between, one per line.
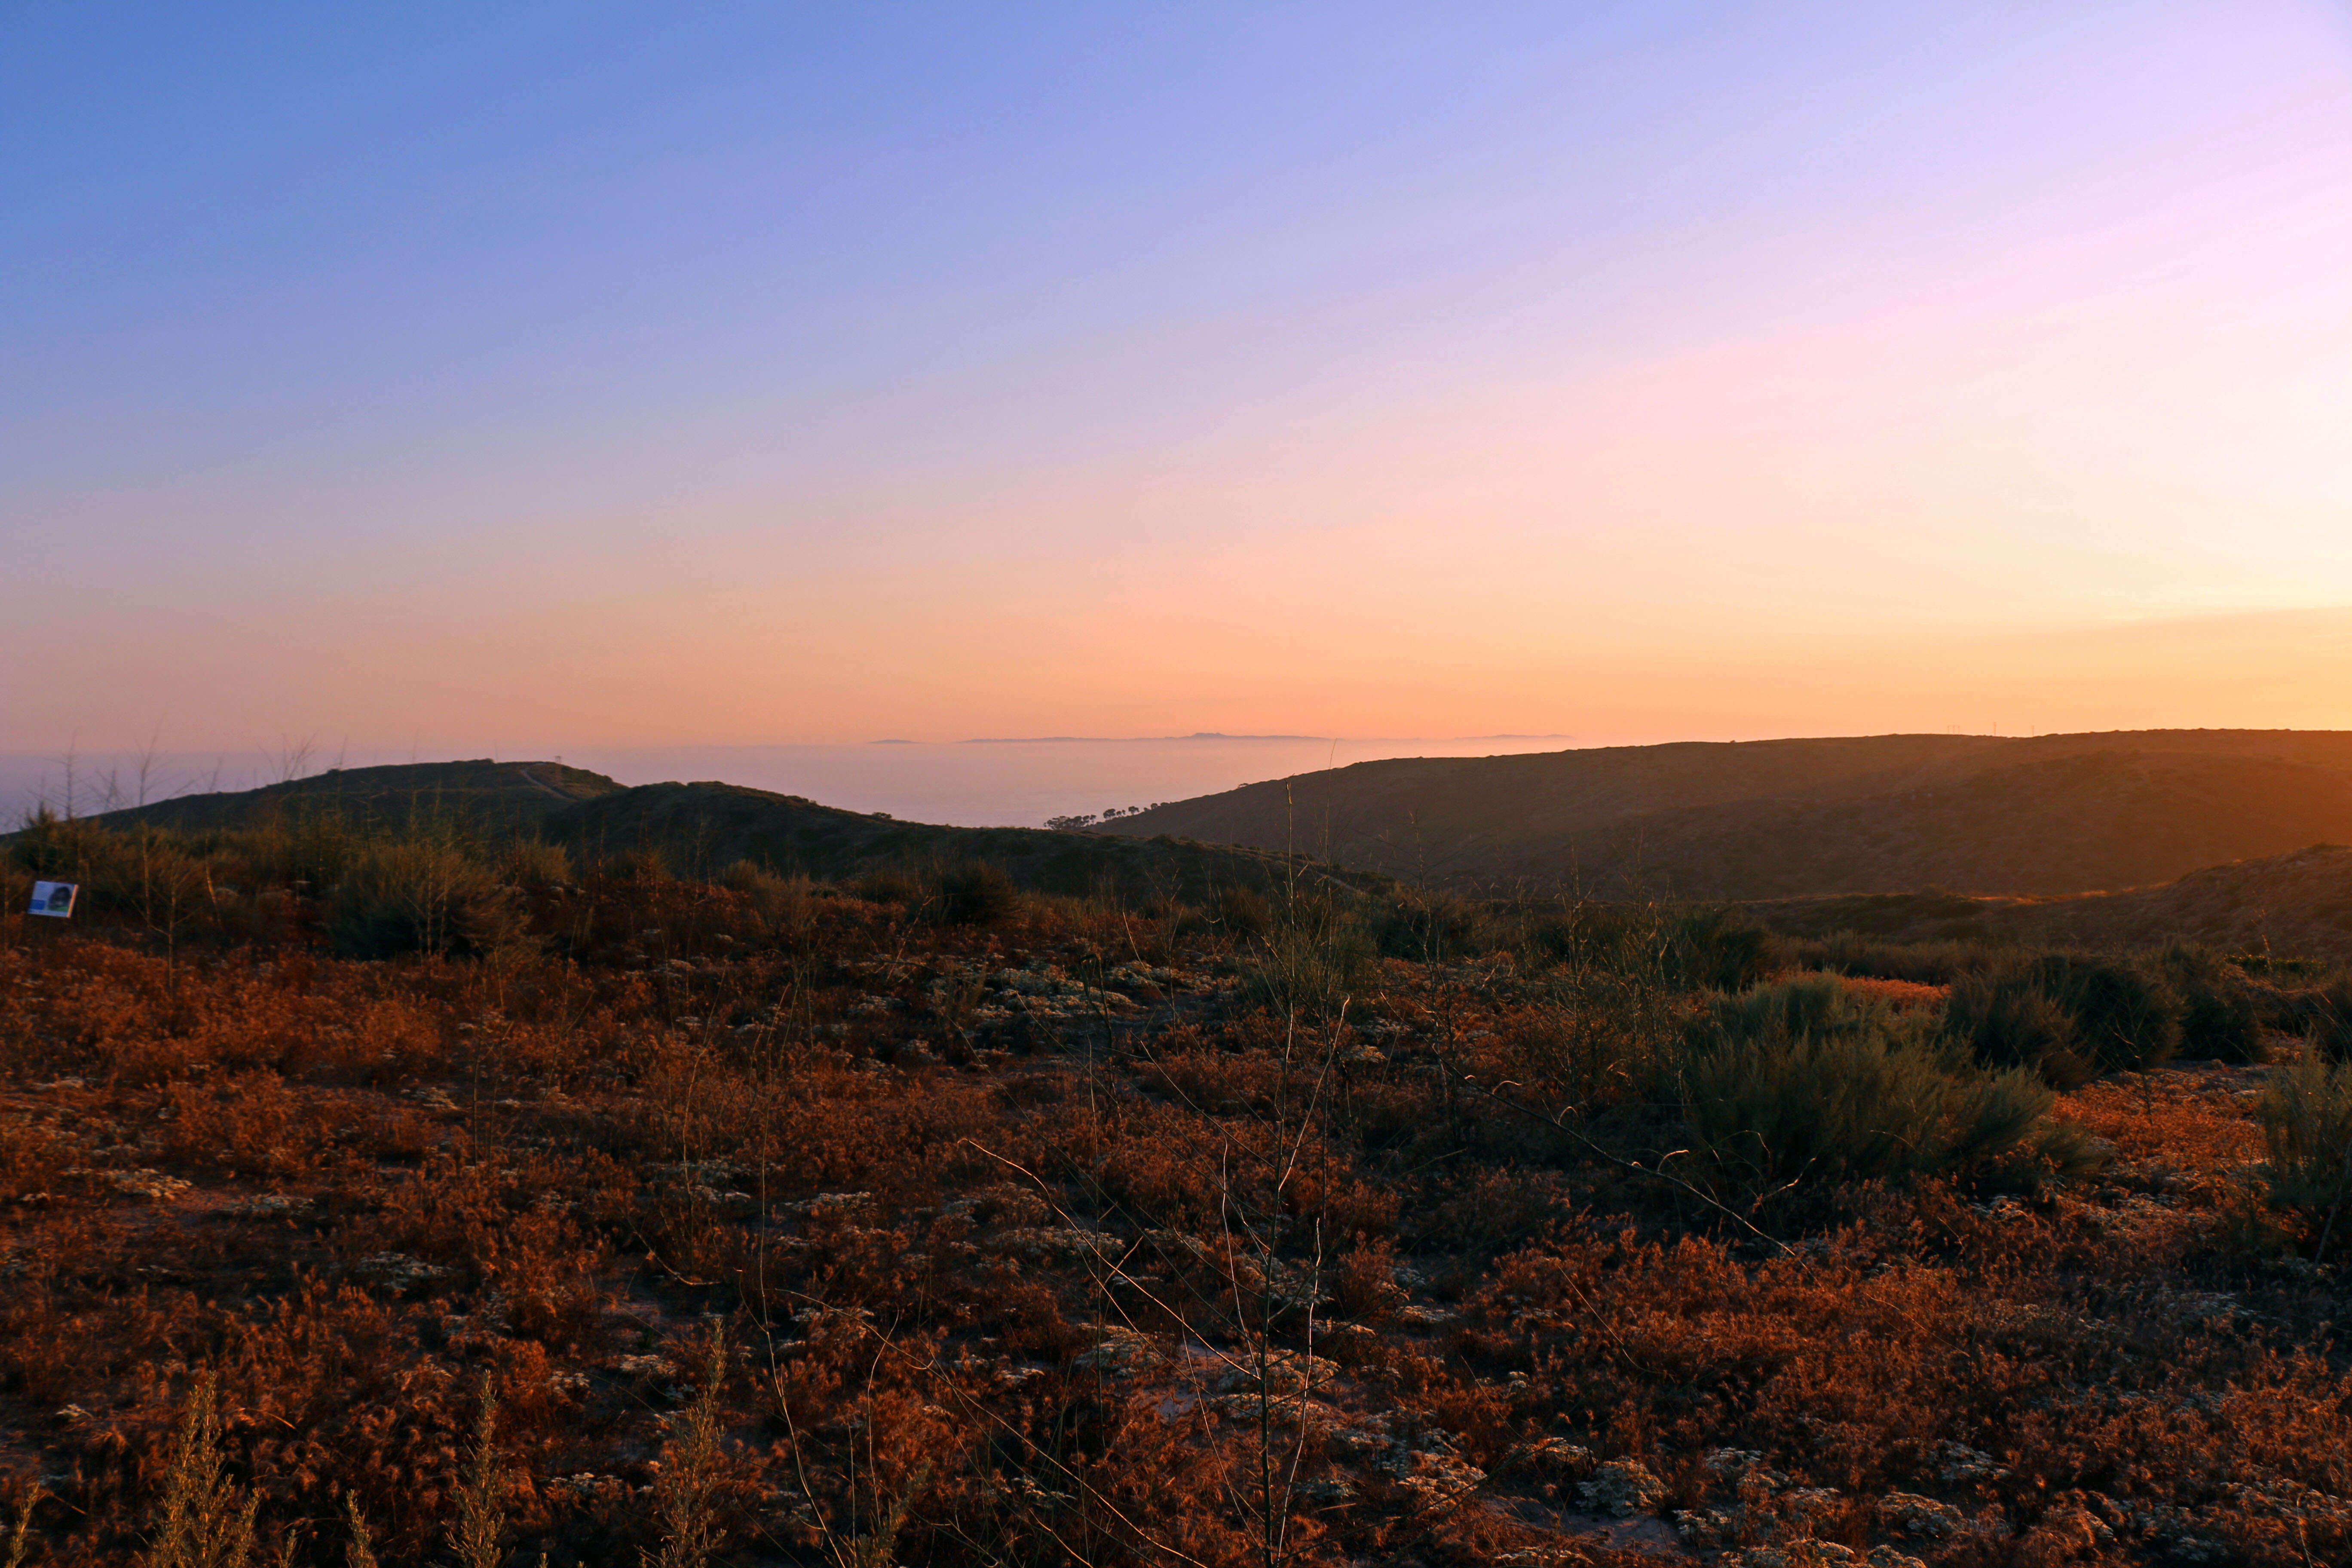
x=853, y=1239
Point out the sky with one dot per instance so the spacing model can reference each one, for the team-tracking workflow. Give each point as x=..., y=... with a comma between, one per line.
x=543, y=377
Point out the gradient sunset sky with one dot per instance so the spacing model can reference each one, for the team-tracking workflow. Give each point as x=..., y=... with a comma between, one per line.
x=650, y=375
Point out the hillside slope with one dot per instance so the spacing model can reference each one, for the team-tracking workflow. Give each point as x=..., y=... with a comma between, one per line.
x=2297, y=905
x=485, y=797
x=699, y=828
x=2045, y=814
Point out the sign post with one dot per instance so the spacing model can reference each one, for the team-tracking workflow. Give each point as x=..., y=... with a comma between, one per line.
x=55, y=900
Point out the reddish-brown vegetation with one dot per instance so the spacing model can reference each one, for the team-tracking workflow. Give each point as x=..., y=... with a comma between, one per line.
x=774, y=1224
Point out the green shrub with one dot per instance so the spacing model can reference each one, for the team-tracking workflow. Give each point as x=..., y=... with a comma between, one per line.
x=1241, y=911
x=1808, y=1006
x=1431, y=927
x=421, y=898
x=1923, y=963
x=313, y=849
x=149, y=877
x=1623, y=936
x=886, y=885
x=535, y=864
x=2325, y=1013
x=632, y=866
x=2221, y=1016
x=1698, y=950
x=2305, y=1114
x=63, y=848
x=1790, y=1084
x=2126, y=1019
x=1602, y=1013
x=2009, y=1021
x=1312, y=965
x=970, y=893
x=1719, y=950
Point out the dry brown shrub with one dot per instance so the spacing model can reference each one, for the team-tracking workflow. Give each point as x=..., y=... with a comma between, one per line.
x=611, y=1151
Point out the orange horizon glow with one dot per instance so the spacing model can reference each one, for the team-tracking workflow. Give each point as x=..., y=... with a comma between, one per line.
x=1983, y=375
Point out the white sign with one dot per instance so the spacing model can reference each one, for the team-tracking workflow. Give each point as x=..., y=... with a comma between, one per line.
x=54, y=899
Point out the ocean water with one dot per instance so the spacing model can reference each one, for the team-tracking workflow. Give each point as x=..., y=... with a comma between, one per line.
x=984, y=784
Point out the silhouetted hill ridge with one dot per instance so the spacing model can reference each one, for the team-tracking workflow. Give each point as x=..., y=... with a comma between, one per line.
x=483, y=794
x=2039, y=815
x=701, y=827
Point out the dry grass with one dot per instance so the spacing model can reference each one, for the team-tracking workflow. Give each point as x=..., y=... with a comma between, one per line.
x=761, y=1223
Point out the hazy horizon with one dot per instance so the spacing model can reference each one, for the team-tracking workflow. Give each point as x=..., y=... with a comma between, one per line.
x=972, y=783
x=969, y=784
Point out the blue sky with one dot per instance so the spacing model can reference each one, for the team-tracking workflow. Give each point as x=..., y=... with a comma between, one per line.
x=457, y=339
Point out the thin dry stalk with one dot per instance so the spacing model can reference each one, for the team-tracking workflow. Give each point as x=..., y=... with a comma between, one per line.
x=480, y=1519
x=686, y=1491
x=361, y=1552
x=19, y=1537
x=207, y=1521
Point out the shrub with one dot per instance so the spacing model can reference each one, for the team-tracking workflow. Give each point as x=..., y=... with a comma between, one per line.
x=534, y=863
x=1313, y=966
x=2009, y=1021
x=1926, y=963
x=1597, y=1024
x=970, y=893
x=51, y=845
x=2327, y=1013
x=888, y=887
x=634, y=866
x=1811, y=1005
x=1431, y=926
x=420, y=898
x=1720, y=950
x=1243, y=912
x=1796, y=1082
x=786, y=906
x=1592, y=935
x=2305, y=1114
x=2220, y=1017
x=2126, y=1019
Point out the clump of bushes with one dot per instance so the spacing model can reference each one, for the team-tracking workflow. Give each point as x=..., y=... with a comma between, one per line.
x=1806, y=1081
x=1314, y=957
x=1431, y=927
x=2011, y=1021
x=2325, y=1013
x=1719, y=950
x=421, y=898
x=2220, y=1014
x=1241, y=911
x=534, y=864
x=949, y=893
x=970, y=893
x=886, y=885
x=2073, y=1016
x=2126, y=1018
x=1874, y=958
x=2305, y=1114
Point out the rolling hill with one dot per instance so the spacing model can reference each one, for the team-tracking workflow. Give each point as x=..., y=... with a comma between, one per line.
x=2297, y=905
x=1891, y=814
x=486, y=797
x=699, y=828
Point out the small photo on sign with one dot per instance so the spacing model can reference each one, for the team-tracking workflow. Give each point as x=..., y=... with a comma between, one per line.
x=54, y=899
